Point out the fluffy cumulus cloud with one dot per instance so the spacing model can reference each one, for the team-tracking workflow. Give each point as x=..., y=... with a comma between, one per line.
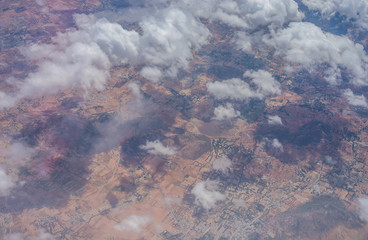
x=276, y=144
x=133, y=223
x=354, y=10
x=306, y=44
x=168, y=38
x=82, y=57
x=355, y=100
x=274, y=120
x=266, y=85
x=206, y=194
x=234, y=88
x=247, y=14
x=222, y=164
x=156, y=147
x=363, y=208
x=263, y=85
x=225, y=112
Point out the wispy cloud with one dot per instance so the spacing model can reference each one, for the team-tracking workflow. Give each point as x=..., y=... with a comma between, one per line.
x=133, y=223
x=222, y=164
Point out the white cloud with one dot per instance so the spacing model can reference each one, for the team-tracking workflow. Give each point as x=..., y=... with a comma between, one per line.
x=276, y=144
x=82, y=57
x=156, y=147
x=363, y=208
x=249, y=17
x=152, y=73
x=169, y=37
x=355, y=100
x=273, y=144
x=306, y=44
x=134, y=87
x=233, y=88
x=133, y=223
x=222, y=164
x=264, y=85
x=274, y=120
x=354, y=10
x=249, y=14
x=7, y=182
x=244, y=42
x=225, y=112
x=206, y=194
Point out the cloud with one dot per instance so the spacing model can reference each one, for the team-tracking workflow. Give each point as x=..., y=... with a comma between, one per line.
x=43, y=235
x=355, y=100
x=250, y=14
x=133, y=223
x=207, y=195
x=264, y=85
x=82, y=57
x=355, y=11
x=72, y=59
x=233, y=88
x=306, y=44
x=152, y=73
x=244, y=42
x=225, y=112
x=274, y=120
x=276, y=144
x=7, y=182
x=135, y=118
x=14, y=155
x=222, y=164
x=156, y=147
x=168, y=40
x=134, y=87
x=329, y=160
x=249, y=17
x=363, y=208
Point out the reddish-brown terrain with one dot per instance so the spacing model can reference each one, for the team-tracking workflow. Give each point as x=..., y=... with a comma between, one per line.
x=89, y=173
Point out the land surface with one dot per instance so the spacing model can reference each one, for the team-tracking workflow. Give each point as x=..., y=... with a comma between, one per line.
x=77, y=189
